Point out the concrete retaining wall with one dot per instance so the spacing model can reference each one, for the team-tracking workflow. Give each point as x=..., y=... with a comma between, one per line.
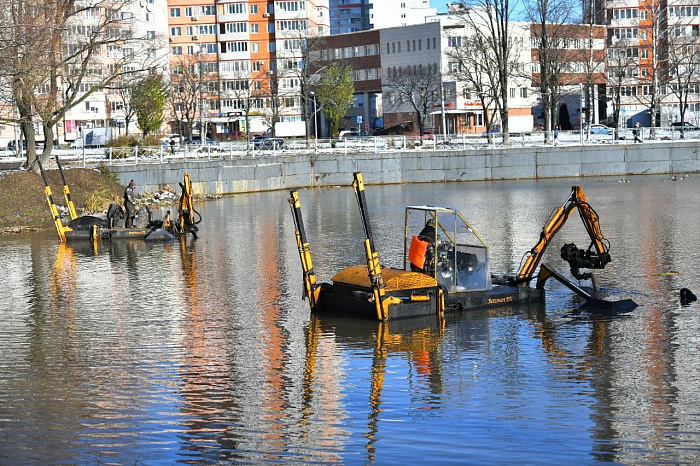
x=254, y=174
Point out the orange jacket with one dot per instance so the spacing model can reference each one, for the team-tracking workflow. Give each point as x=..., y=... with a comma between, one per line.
x=416, y=254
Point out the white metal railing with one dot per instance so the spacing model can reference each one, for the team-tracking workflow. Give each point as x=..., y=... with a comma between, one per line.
x=364, y=144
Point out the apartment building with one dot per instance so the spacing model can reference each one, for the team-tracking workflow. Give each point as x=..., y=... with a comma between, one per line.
x=579, y=50
x=653, y=63
x=395, y=13
x=105, y=108
x=361, y=15
x=244, y=54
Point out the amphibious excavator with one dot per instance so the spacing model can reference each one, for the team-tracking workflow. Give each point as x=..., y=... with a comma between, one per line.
x=458, y=277
x=111, y=225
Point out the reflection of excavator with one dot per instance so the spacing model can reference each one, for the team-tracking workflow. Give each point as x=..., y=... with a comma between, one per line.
x=418, y=340
x=595, y=257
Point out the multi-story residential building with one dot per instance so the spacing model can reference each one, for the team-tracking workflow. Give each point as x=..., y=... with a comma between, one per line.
x=245, y=55
x=105, y=108
x=350, y=16
x=652, y=60
x=579, y=53
x=395, y=13
x=361, y=15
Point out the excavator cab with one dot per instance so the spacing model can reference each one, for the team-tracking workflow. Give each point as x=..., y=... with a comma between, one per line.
x=459, y=257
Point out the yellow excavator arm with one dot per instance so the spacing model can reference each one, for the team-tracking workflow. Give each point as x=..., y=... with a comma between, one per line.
x=595, y=257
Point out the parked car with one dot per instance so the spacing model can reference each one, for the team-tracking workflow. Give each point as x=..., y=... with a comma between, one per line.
x=601, y=130
x=11, y=146
x=678, y=125
x=198, y=141
x=266, y=143
x=427, y=134
x=349, y=134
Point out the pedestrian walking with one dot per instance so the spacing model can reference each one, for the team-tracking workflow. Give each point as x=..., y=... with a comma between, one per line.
x=636, y=133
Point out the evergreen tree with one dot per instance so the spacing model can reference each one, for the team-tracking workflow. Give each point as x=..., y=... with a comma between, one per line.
x=148, y=98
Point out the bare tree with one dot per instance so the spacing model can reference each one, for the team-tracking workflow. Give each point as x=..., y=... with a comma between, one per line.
x=550, y=30
x=122, y=89
x=469, y=65
x=683, y=67
x=60, y=52
x=192, y=80
x=621, y=64
x=274, y=98
x=592, y=56
x=492, y=20
x=418, y=86
x=297, y=59
x=654, y=60
x=244, y=90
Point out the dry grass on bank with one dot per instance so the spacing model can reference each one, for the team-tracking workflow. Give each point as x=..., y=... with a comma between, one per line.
x=23, y=203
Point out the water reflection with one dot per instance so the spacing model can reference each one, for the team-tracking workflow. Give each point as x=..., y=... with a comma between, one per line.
x=204, y=352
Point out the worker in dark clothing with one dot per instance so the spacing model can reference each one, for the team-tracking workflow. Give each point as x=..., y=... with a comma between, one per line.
x=129, y=205
x=422, y=251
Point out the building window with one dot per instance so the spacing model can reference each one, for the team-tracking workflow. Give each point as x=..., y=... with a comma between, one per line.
x=511, y=93
x=253, y=9
x=523, y=92
x=174, y=12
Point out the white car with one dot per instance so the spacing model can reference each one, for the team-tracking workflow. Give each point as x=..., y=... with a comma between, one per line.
x=601, y=130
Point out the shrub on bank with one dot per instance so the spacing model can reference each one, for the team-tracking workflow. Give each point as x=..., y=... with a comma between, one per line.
x=133, y=141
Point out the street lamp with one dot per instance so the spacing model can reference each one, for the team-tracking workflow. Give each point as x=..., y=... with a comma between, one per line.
x=442, y=109
x=580, y=112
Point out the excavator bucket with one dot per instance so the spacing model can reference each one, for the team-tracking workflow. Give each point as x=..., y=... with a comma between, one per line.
x=592, y=304
x=613, y=307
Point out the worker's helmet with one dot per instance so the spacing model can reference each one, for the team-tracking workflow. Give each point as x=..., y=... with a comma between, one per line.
x=430, y=223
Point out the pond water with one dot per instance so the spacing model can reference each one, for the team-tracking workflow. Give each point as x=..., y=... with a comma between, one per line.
x=204, y=352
